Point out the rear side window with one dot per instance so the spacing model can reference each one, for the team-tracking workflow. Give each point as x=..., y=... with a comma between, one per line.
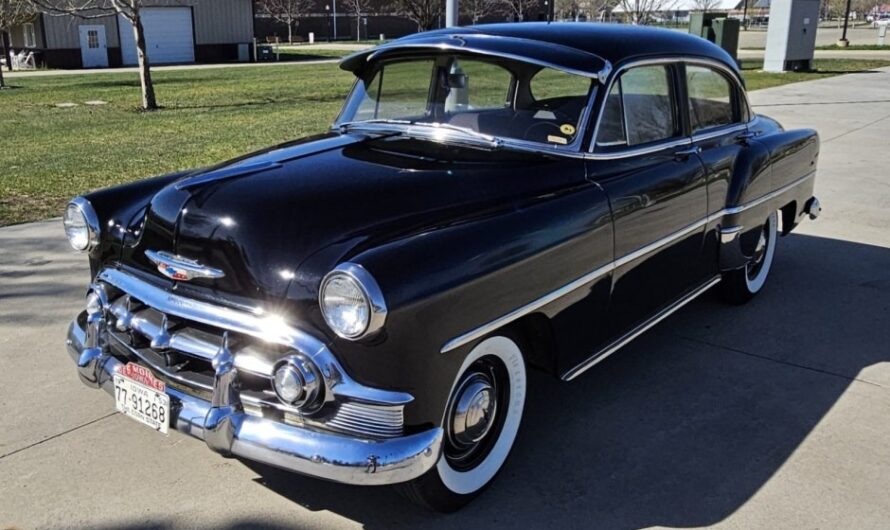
x=710, y=98
x=552, y=84
x=639, y=108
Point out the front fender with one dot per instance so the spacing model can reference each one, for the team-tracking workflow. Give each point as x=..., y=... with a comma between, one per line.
x=443, y=283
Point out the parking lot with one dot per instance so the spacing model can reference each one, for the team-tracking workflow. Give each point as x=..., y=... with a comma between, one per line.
x=770, y=415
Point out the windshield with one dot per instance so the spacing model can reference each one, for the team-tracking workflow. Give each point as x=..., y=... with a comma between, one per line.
x=492, y=97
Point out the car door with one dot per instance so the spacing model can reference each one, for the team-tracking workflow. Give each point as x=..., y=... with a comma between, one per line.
x=718, y=116
x=657, y=189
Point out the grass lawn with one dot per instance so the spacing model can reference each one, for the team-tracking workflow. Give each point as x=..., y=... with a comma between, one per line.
x=51, y=154
x=855, y=47
x=756, y=79
x=310, y=54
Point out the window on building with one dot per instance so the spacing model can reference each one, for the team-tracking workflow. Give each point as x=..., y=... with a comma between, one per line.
x=30, y=36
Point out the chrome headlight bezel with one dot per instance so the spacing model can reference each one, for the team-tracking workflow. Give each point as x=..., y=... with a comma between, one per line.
x=372, y=299
x=81, y=207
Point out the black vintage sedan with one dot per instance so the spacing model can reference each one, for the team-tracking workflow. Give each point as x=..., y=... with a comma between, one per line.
x=363, y=306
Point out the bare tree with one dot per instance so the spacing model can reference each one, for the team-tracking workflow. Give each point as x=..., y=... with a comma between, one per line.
x=12, y=13
x=130, y=10
x=596, y=9
x=519, y=8
x=643, y=11
x=567, y=9
x=704, y=5
x=477, y=9
x=357, y=6
x=287, y=12
x=424, y=13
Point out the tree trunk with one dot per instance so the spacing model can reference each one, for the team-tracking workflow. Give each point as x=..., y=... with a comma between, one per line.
x=3, y=42
x=358, y=26
x=148, y=89
x=7, y=51
x=290, y=30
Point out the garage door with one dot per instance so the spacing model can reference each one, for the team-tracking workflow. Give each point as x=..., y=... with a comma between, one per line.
x=168, y=36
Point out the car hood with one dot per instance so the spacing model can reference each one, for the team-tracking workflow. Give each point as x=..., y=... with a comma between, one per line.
x=257, y=219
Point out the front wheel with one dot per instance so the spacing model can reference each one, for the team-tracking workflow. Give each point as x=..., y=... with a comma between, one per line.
x=741, y=285
x=480, y=423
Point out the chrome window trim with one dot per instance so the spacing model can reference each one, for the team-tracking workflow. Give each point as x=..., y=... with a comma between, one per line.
x=572, y=149
x=592, y=74
x=633, y=151
x=257, y=323
x=647, y=149
x=538, y=303
x=716, y=132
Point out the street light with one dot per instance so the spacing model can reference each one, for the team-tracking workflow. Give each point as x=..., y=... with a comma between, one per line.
x=843, y=43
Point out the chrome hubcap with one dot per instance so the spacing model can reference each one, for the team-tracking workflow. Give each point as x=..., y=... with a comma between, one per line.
x=474, y=411
x=759, y=252
x=473, y=422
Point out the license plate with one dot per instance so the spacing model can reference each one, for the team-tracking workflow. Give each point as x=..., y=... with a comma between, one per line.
x=141, y=396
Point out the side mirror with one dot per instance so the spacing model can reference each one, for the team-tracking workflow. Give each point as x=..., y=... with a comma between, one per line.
x=457, y=81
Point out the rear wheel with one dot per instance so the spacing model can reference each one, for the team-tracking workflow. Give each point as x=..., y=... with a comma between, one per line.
x=481, y=422
x=741, y=285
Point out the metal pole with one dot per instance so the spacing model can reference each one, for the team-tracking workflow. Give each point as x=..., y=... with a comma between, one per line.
x=451, y=12
x=745, y=16
x=846, y=19
x=334, y=3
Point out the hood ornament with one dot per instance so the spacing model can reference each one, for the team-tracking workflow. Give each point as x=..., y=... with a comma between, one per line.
x=179, y=268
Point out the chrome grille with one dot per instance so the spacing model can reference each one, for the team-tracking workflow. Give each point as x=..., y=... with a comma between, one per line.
x=181, y=352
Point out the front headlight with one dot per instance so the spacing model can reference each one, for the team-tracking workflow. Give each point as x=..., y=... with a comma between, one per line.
x=351, y=302
x=81, y=225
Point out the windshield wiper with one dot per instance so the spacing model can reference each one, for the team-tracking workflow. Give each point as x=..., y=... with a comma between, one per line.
x=350, y=125
x=427, y=131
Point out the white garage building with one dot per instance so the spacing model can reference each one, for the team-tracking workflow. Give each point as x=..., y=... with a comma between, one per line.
x=176, y=31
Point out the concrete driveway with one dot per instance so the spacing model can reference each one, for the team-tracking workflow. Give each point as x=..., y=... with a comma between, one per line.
x=771, y=415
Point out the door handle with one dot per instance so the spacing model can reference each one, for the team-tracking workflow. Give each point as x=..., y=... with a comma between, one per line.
x=686, y=153
x=745, y=136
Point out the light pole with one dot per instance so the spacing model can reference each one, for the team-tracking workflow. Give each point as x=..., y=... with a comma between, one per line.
x=334, y=11
x=451, y=13
x=843, y=43
x=327, y=9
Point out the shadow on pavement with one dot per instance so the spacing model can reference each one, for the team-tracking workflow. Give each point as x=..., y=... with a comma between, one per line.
x=684, y=425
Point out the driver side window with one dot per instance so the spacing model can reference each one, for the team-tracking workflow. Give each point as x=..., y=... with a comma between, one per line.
x=639, y=108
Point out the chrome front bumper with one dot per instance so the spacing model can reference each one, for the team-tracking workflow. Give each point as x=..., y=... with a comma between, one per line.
x=229, y=431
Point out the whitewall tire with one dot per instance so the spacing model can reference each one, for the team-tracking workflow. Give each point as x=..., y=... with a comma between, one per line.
x=481, y=422
x=741, y=285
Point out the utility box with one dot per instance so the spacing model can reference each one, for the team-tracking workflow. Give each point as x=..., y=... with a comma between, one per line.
x=700, y=24
x=726, y=34
x=791, y=35
x=715, y=27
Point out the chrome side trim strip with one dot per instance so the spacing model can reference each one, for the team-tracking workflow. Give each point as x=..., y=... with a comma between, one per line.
x=516, y=314
x=762, y=199
x=617, y=345
x=533, y=306
x=538, y=303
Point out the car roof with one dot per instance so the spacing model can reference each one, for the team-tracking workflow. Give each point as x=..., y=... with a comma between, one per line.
x=591, y=47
